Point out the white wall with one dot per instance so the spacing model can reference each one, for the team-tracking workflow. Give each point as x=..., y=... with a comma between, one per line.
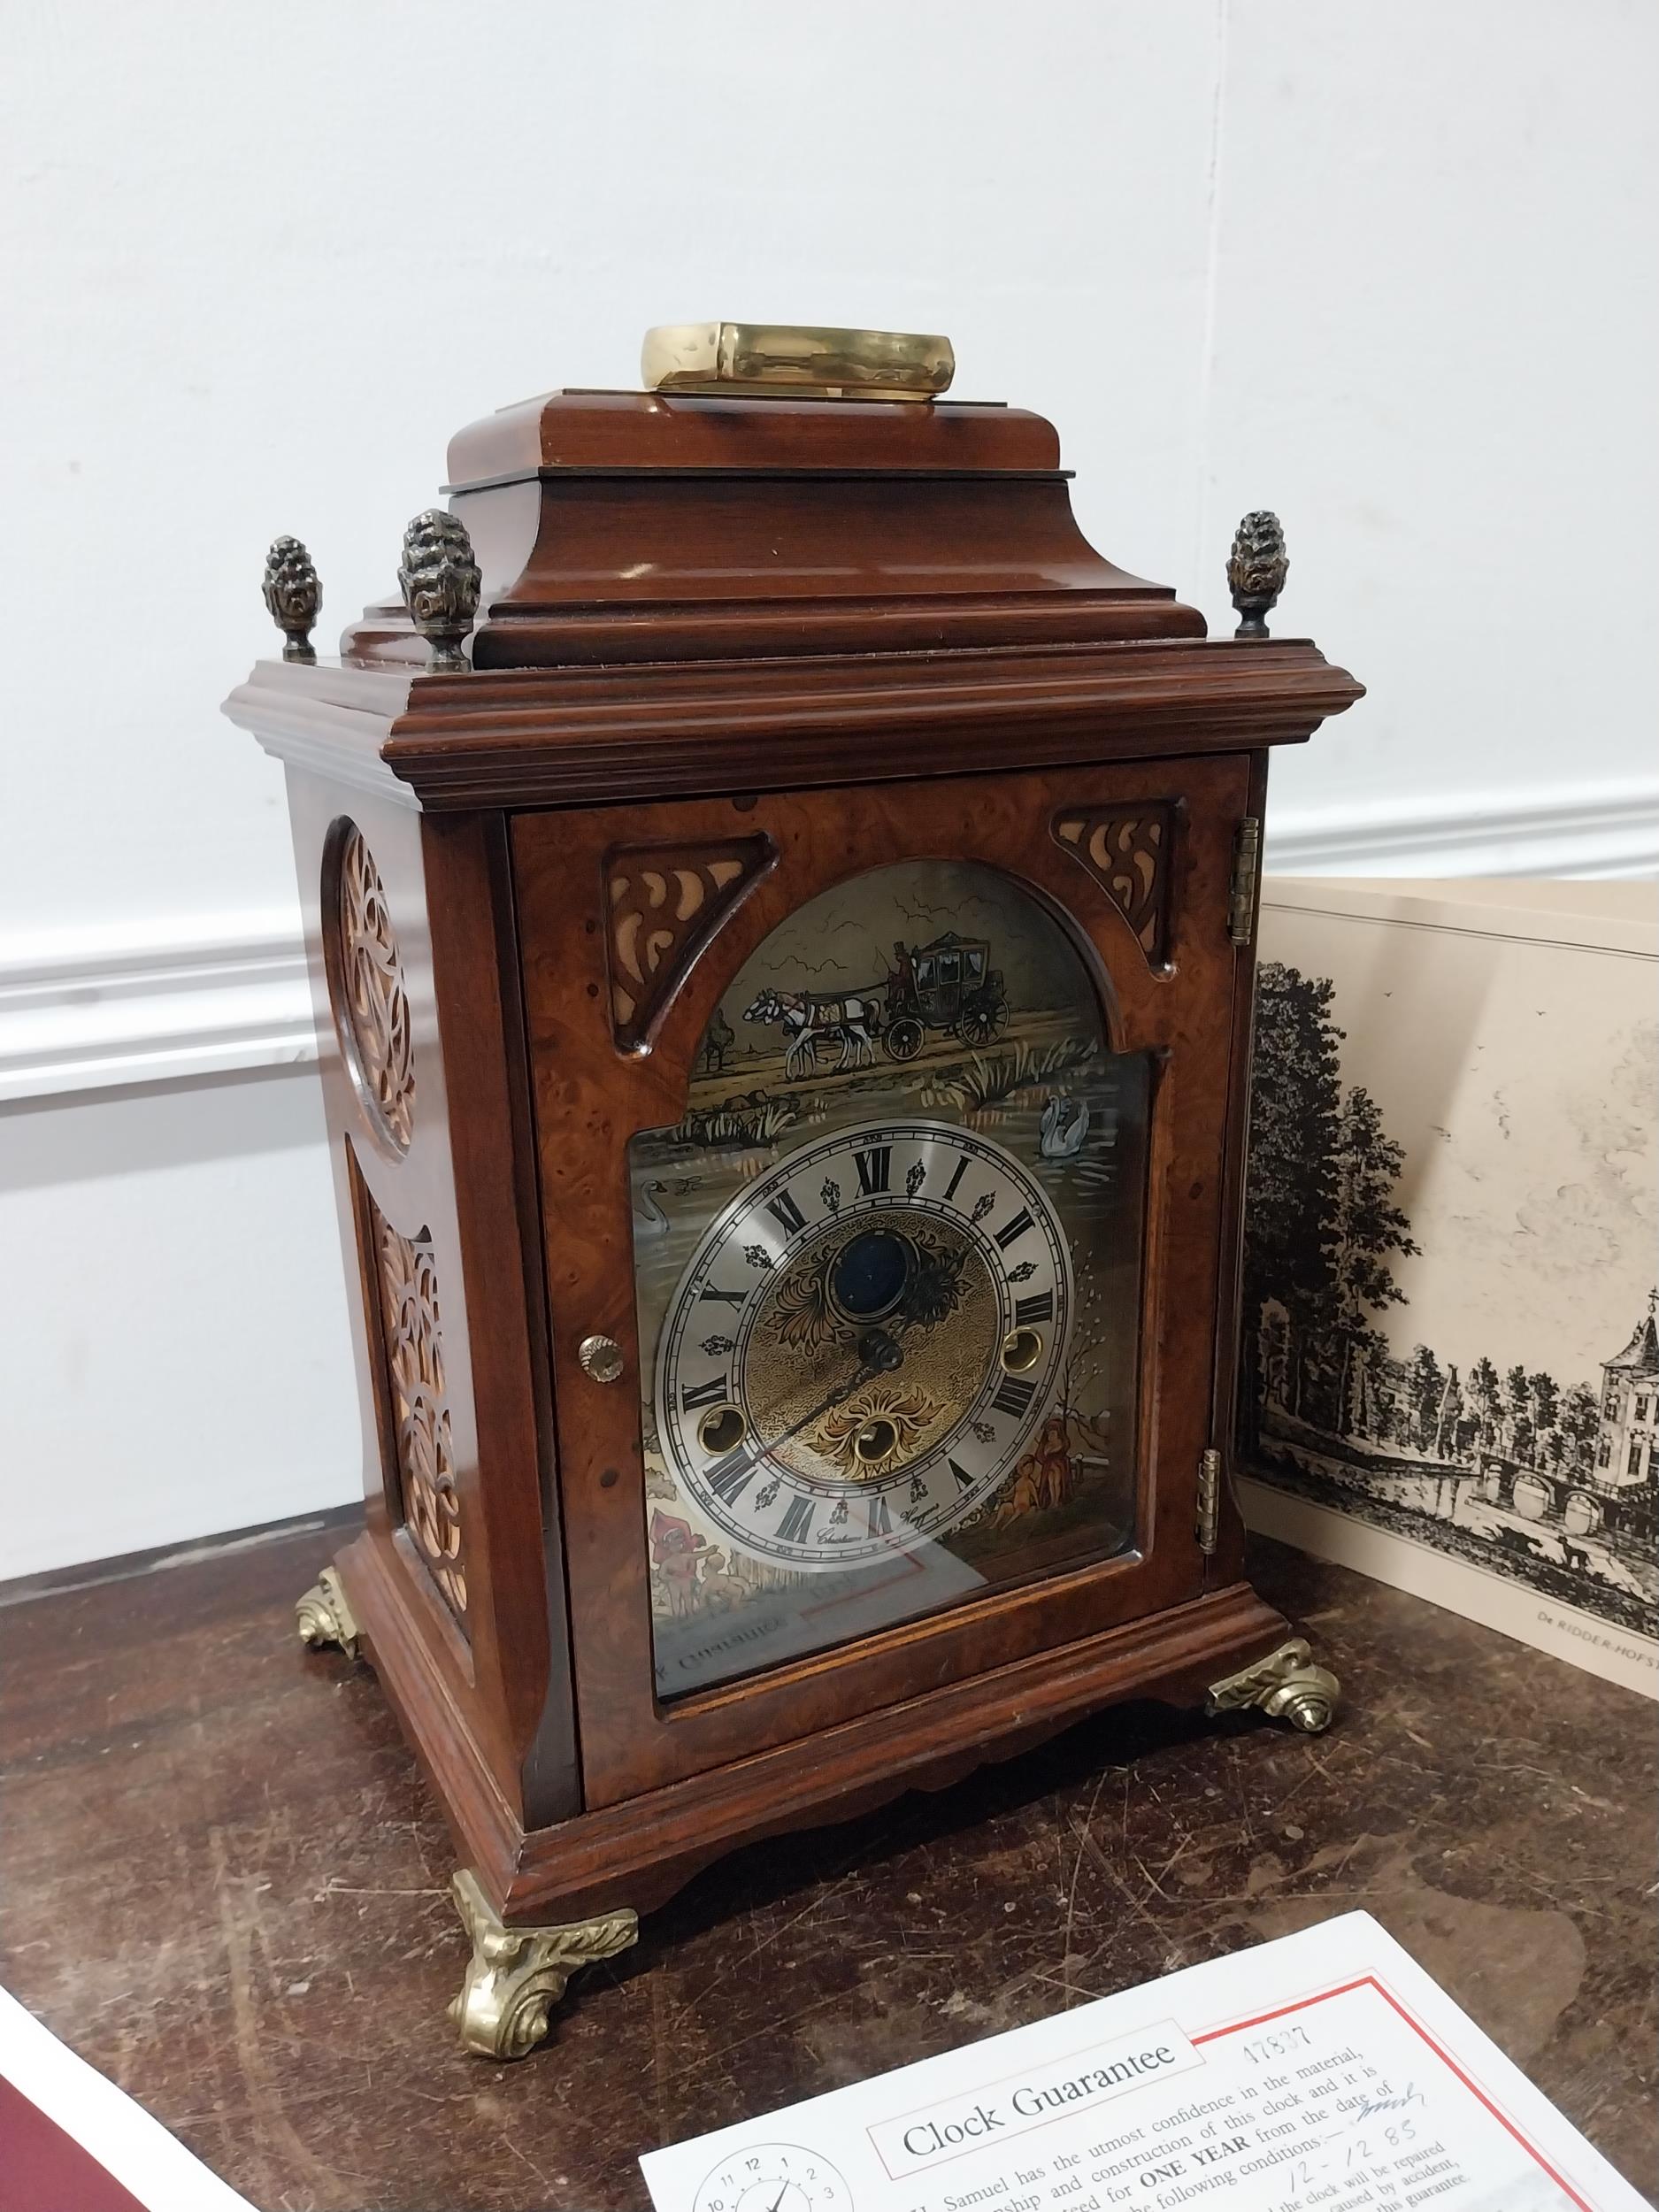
x=1374, y=266
x=172, y=1313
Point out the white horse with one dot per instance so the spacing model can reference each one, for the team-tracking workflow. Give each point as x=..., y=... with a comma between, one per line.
x=805, y=1020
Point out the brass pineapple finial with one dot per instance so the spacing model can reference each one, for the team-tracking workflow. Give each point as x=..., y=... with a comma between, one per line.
x=440, y=582
x=293, y=595
x=1257, y=570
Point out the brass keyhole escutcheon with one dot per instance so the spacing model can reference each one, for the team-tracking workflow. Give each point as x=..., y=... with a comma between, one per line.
x=600, y=1358
x=877, y=1440
x=722, y=1429
x=1021, y=1351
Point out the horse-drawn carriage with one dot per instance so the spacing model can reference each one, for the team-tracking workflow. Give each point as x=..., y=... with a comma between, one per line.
x=948, y=986
x=951, y=986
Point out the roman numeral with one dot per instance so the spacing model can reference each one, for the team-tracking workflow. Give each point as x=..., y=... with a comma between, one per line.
x=796, y=1524
x=708, y=1394
x=786, y=1213
x=1014, y=1395
x=964, y=1480
x=960, y=1170
x=1016, y=1228
x=873, y=1168
x=730, y=1476
x=1040, y=1307
x=725, y=1297
x=880, y=1523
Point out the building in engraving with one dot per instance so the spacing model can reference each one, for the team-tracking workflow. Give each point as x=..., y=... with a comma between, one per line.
x=1625, y=1484
x=1616, y=1496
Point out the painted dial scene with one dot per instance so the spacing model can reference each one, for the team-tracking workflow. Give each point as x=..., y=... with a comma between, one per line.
x=863, y=1342
x=887, y=1272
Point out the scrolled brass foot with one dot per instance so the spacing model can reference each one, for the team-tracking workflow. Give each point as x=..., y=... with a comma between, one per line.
x=517, y=1975
x=1286, y=1685
x=324, y=1617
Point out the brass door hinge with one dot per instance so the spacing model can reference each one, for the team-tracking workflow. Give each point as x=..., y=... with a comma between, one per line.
x=1247, y=860
x=1209, y=1518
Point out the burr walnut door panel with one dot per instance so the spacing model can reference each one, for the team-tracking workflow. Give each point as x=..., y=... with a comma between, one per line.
x=882, y=1136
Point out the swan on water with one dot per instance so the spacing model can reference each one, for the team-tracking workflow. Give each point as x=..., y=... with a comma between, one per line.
x=1063, y=1127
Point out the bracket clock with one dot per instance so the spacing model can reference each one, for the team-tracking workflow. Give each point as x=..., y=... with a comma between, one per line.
x=783, y=972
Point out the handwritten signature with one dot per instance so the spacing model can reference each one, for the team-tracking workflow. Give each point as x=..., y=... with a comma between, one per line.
x=1411, y=2094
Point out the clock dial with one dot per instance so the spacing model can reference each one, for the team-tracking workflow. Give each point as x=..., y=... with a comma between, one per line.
x=887, y=1270
x=774, y=2177
x=895, y=1305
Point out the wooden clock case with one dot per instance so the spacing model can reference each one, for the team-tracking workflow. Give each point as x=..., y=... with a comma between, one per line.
x=768, y=642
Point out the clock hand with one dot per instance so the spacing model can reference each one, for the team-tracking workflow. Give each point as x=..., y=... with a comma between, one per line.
x=881, y=1354
x=880, y=1351
x=781, y=2194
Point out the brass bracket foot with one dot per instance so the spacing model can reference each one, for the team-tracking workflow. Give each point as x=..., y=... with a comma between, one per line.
x=325, y=1617
x=517, y=1975
x=1287, y=1684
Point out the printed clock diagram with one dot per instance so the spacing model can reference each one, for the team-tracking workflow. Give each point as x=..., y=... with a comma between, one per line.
x=774, y=2177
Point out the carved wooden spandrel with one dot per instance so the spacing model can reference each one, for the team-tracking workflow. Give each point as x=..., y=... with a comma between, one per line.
x=1128, y=855
x=664, y=905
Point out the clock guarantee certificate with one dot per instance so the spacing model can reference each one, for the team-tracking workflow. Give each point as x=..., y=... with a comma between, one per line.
x=1323, y=2072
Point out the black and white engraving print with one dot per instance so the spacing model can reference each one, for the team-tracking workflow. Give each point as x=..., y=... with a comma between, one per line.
x=1550, y=1478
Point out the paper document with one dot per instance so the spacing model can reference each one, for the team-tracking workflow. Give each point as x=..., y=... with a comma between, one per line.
x=1325, y=2073
x=71, y=2141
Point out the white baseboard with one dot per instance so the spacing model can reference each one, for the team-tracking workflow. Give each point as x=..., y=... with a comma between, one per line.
x=151, y=1001
x=193, y=995
x=1598, y=831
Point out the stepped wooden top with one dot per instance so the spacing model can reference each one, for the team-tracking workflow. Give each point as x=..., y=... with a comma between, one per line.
x=645, y=525
x=683, y=593
x=748, y=434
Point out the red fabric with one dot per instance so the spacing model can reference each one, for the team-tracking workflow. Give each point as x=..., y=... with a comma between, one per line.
x=42, y=2169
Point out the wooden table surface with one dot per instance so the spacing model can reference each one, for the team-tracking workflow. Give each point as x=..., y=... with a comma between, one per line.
x=224, y=1884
